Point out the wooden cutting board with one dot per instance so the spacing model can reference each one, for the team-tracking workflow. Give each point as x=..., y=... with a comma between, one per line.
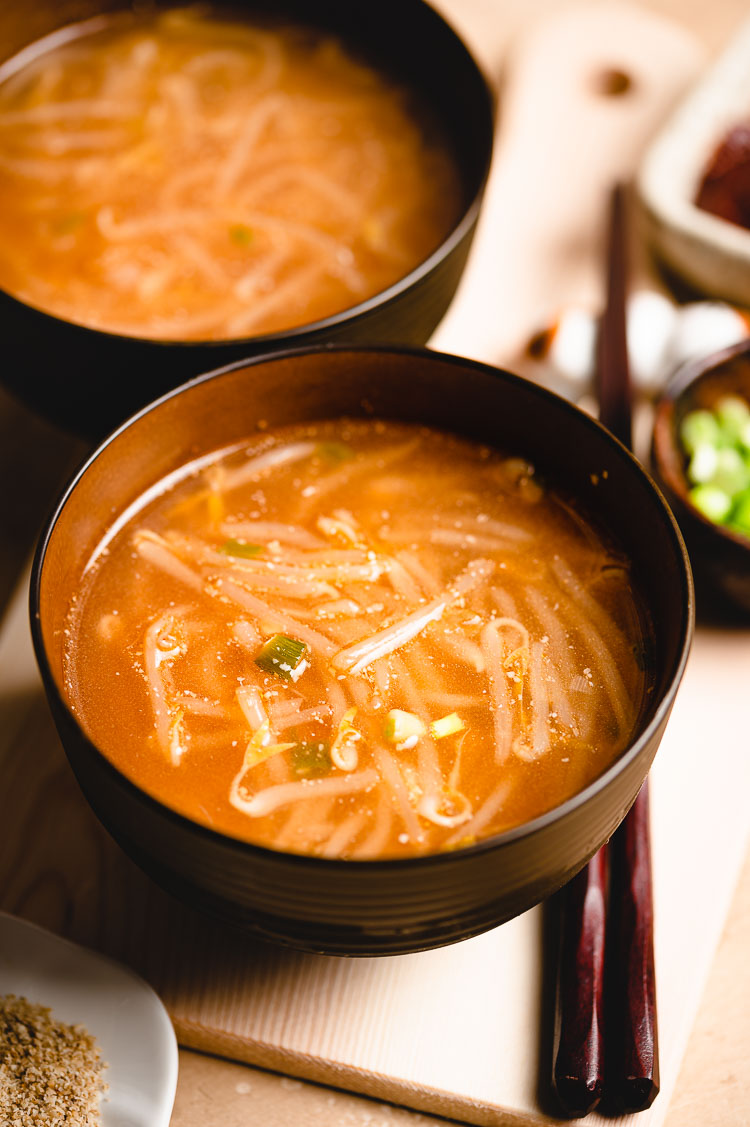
x=461, y=1031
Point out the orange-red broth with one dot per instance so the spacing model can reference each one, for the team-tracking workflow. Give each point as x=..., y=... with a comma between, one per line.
x=187, y=177
x=526, y=634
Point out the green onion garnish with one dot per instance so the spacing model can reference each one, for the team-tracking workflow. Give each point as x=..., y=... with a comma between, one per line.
x=717, y=443
x=240, y=548
x=69, y=223
x=334, y=451
x=310, y=760
x=713, y=502
x=283, y=656
x=740, y=517
x=403, y=727
x=447, y=726
x=240, y=235
x=699, y=428
x=733, y=414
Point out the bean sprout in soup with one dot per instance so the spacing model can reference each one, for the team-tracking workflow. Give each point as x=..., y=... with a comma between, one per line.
x=359, y=640
x=191, y=178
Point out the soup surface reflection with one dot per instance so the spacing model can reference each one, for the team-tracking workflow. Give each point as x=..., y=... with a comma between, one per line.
x=357, y=639
x=190, y=178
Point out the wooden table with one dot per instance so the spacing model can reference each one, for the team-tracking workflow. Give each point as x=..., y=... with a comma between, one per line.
x=714, y=1085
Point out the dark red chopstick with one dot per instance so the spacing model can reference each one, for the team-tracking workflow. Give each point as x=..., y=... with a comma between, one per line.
x=635, y=1069
x=600, y=924
x=578, y=1073
x=612, y=374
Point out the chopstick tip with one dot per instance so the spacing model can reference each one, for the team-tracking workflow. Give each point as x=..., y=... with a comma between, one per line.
x=638, y=1093
x=577, y=1097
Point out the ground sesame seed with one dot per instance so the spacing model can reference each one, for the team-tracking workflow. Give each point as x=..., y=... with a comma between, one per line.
x=50, y=1072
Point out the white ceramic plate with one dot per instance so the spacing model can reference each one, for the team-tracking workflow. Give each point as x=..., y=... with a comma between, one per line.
x=712, y=254
x=117, y=1007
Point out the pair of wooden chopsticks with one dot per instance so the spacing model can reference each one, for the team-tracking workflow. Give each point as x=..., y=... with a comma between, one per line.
x=606, y=989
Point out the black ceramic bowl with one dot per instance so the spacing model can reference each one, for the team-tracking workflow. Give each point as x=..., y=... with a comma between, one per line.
x=367, y=907
x=720, y=557
x=89, y=380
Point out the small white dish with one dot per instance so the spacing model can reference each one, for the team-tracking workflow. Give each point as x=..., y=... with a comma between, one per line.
x=119, y=1009
x=710, y=253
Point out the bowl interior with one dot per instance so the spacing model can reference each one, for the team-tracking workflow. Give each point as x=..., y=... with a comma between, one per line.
x=114, y=375
x=407, y=41
x=566, y=446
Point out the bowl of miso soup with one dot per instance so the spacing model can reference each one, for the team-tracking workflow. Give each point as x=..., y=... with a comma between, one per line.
x=363, y=650
x=187, y=186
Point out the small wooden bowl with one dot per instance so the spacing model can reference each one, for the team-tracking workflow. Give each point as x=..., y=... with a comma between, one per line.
x=720, y=557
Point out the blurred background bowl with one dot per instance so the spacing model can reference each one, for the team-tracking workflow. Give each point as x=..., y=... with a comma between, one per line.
x=88, y=380
x=707, y=252
x=720, y=557
x=368, y=907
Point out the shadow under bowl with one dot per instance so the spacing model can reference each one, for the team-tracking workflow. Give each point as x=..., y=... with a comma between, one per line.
x=88, y=380
x=719, y=556
x=388, y=906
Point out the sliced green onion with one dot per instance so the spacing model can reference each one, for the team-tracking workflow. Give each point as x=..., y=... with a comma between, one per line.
x=403, y=728
x=732, y=413
x=713, y=502
x=703, y=464
x=241, y=549
x=69, y=223
x=697, y=428
x=283, y=656
x=311, y=760
x=732, y=472
x=739, y=519
x=743, y=437
x=446, y=726
x=334, y=451
x=717, y=443
x=240, y=235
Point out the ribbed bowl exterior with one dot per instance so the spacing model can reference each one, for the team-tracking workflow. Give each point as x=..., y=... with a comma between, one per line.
x=350, y=908
x=386, y=907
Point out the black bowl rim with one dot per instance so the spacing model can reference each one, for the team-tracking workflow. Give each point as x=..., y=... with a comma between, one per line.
x=496, y=841
x=684, y=380
x=460, y=229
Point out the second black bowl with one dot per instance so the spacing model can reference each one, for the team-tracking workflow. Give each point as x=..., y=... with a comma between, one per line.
x=88, y=380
